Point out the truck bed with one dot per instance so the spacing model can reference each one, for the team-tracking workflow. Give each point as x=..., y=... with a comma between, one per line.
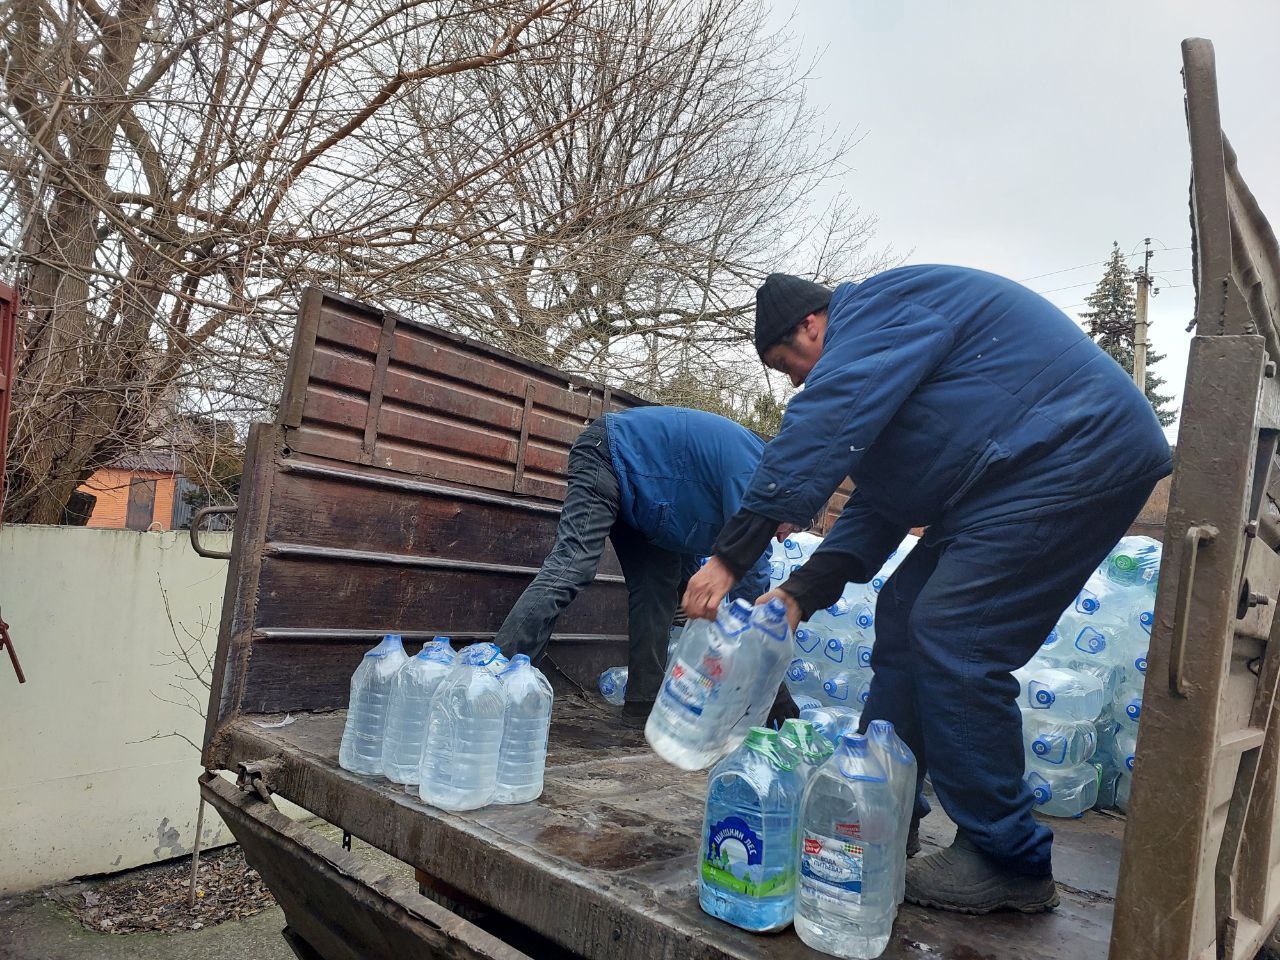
x=602, y=864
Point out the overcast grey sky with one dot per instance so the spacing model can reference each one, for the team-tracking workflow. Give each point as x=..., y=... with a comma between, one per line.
x=1024, y=137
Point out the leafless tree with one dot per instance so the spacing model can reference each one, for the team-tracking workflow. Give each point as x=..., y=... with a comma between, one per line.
x=599, y=183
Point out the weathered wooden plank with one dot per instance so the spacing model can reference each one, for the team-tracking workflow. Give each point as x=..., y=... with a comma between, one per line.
x=325, y=512
x=309, y=592
x=603, y=863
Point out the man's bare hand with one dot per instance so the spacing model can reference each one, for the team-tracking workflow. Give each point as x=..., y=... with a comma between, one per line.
x=785, y=530
x=706, y=589
x=793, y=608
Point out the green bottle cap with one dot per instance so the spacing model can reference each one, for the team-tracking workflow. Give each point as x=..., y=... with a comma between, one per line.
x=803, y=738
x=766, y=743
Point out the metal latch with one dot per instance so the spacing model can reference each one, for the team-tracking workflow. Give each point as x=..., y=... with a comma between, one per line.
x=255, y=776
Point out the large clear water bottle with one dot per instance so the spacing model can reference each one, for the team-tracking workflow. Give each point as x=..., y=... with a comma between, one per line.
x=900, y=764
x=769, y=632
x=707, y=688
x=464, y=735
x=807, y=742
x=849, y=841
x=361, y=749
x=832, y=722
x=1057, y=743
x=1134, y=561
x=809, y=640
x=522, y=759
x=804, y=678
x=1065, y=791
x=1060, y=693
x=613, y=685
x=748, y=865
x=412, y=691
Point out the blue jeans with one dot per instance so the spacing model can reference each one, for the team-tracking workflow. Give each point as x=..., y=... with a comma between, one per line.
x=654, y=576
x=952, y=623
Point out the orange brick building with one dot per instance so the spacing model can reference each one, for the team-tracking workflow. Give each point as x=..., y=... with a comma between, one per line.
x=135, y=492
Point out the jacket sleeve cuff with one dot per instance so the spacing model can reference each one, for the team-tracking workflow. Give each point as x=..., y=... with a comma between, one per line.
x=743, y=539
x=820, y=582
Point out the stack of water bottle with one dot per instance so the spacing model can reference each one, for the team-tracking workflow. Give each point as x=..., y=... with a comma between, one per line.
x=831, y=665
x=797, y=831
x=791, y=828
x=461, y=730
x=1081, y=694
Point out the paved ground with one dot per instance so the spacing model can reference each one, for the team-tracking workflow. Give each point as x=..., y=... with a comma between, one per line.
x=34, y=927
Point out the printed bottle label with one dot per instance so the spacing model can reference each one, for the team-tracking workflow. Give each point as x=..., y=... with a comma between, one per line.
x=688, y=689
x=734, y=860
x=831, y=868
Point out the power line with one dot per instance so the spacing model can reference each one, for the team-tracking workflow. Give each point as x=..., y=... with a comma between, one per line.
x=1097, y=263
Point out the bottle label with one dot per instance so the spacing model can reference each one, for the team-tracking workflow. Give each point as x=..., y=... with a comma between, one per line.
x=688, y=689
x=831, y=868
x=734, y=861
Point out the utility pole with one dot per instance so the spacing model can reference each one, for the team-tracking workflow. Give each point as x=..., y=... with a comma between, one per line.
x=1143, y=279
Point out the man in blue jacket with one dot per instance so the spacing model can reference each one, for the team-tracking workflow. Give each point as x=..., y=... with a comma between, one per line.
x=963, y=402
x=659, y=482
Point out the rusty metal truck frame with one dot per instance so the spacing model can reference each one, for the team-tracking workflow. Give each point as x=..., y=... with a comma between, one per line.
x=1198, y=874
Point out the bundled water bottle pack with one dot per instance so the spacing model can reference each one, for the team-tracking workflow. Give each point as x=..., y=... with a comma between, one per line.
x=796, y=831
x=461, y=730
x=831, y=664
x=1081, y=694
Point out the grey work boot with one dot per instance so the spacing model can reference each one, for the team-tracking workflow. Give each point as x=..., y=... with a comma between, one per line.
x=963, y=880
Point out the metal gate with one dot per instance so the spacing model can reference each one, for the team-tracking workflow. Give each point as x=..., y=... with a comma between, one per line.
x=1198, y=875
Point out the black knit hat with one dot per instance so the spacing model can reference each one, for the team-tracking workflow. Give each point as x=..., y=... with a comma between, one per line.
x=781, y=303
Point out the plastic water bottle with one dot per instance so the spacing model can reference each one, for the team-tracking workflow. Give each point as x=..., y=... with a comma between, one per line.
x=1128, y=709
x=707, y=689
x=412, y=691
x=832, y=722
x=808, y=639
x=1060, y=693
x=361, y=749
x=613, y=685
x=804, y=678
x=1122, y=791
x=900, y=764
x=1126, y=749
x=1109, y=674
x=1058, y=744
x=498, y=663
x=849, y=841
x=522, y=758
x=771, y=636
x=747, y=872
x=464, y=735
x=1065, y=791
x=839, y=686
x=808, y=744
x=1134, y=561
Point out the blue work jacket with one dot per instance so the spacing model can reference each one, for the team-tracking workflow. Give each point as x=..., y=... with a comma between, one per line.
x=954, y=398
x=681, y=474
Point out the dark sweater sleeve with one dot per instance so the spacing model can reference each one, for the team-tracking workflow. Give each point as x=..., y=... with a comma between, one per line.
x=858, y=544
x=743, y=539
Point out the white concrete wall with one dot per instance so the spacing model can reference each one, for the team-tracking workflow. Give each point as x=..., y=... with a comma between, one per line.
x=84, y=788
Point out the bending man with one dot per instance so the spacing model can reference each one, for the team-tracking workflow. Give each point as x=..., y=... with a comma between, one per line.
x=659, y=482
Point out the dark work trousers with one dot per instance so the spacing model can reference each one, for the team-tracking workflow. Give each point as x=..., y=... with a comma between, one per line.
x=654, y=576
x=952, y=623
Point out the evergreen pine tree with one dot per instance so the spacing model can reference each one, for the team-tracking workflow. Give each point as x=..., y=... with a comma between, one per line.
x=1110, y=321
